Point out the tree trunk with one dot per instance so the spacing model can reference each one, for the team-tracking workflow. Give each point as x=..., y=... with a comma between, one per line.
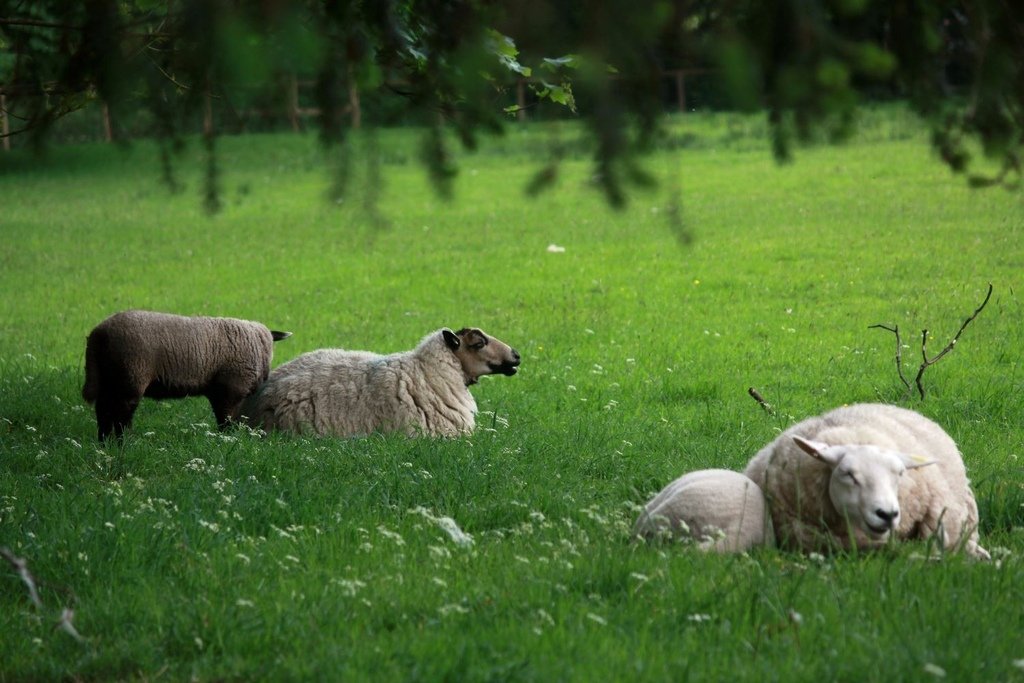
x=353, y=101
x=4, y=123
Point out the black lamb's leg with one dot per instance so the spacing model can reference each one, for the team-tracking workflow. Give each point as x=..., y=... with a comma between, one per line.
x=114, y=415
x=226, y=404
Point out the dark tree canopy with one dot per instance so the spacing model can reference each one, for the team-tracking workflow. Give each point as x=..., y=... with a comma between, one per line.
x=451, y=62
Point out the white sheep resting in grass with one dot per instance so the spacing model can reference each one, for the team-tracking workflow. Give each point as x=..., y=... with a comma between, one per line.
x=422, y=392
x=721, y=510
x=857, y=475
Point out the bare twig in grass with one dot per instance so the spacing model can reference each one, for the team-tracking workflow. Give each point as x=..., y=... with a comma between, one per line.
x=899, y=350
x=927, y=362
x=760, y=399
x=65, y=624
x=21, y=566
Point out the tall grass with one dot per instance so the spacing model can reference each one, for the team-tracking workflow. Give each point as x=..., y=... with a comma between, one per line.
x=190, y=553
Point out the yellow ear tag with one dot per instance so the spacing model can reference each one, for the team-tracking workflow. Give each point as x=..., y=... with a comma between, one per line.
x=919, y=458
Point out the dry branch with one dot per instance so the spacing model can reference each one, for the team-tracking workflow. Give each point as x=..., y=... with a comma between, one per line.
x=21, y=566
x=895, y=329
x=65, y=624
x=927, y=362
x=755, y=394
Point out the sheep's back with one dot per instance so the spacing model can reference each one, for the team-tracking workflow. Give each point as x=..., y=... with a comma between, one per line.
x=354, y=393
x=181, y=354
x=724, y=510
x=327, y=391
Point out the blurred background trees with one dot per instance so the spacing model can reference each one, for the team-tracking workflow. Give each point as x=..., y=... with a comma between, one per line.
x=171, y=68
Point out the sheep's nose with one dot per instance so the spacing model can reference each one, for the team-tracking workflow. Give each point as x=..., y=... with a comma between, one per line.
x=889, y=517
x=515, y=355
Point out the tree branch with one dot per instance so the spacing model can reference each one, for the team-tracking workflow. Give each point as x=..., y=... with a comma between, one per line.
x=39, y=23
x=899, y=350
x=21, y=566
x=760, y=399
x=928, y=362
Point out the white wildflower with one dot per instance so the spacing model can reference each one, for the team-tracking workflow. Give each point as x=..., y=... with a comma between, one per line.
x=349, y=586
x=196, y=465
x=446, y=524
x=934, y=670
x=439, y=552
x=445, y=610
x=393, y=535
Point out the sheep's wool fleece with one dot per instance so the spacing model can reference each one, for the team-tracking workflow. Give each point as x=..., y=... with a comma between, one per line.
x=184, y=353
x=356, y=393
x=722, y=510
x=936, y=498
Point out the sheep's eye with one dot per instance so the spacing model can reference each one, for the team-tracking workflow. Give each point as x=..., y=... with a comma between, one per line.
x=852, y=478
x=478, y=346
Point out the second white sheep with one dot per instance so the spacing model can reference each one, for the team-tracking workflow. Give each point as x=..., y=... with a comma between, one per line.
x=718, y=510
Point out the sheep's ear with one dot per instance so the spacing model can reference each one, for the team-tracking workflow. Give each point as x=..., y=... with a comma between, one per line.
x=451, y=339
x=830, y=455
x=914, y=461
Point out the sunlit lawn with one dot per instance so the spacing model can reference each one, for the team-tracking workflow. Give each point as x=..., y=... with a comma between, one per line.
x=195, y=554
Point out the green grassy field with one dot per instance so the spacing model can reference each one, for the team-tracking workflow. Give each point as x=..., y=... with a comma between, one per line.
x=190, y=554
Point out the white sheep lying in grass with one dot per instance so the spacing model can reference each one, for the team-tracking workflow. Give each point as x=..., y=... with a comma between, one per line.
x=859, y=474
x=424, y=391
x=722, y=510
x=135, y=353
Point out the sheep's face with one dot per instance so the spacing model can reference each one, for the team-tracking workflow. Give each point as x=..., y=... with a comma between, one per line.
x=480, y=354
x=864, y=485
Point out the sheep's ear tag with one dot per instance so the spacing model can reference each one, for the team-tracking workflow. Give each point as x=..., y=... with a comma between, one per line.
x=451, y=339
x=914, y=461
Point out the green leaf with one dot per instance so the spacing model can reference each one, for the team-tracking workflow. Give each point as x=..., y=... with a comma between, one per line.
x=554, y=63
x=560, y=94
x=875, y=62
x=504, y=48
x=833, y=74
